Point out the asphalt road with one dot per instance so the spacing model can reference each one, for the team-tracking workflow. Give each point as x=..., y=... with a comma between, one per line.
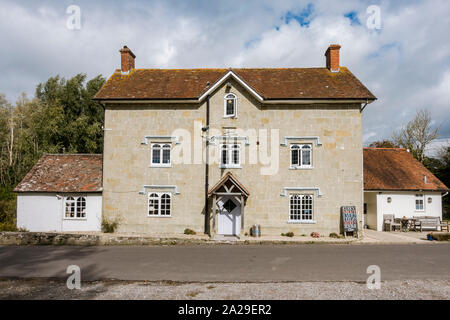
x=229, y=263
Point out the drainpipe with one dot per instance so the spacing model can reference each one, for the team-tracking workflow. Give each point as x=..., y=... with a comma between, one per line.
x=206, y=130
x=445, y=194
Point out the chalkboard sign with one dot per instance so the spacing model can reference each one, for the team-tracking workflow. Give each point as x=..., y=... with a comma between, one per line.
x=349, y=219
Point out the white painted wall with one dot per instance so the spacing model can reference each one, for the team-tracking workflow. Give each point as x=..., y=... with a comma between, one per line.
x=45, y=212
x=402, y=205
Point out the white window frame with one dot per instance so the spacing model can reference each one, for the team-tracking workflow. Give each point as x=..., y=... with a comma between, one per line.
x=300, y=164
x=234, y=115
x=301, y=208
x=75, y=202
x=159, y=197
x=162, y=147
x=229, y=148
x=419, y=196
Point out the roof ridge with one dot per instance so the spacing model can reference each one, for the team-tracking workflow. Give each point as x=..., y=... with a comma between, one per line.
x=72, y=154
x=375, y=148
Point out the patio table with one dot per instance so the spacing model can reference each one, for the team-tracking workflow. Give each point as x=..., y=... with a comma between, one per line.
x=407, y=224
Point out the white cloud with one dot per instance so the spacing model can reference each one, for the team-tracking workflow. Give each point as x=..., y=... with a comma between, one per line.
x=406, y=64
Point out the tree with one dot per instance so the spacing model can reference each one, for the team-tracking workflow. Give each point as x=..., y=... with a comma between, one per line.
x=385, y=143
x=417, y=134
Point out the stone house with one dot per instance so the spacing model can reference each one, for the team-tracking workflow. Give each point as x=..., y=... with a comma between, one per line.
x=219, y=150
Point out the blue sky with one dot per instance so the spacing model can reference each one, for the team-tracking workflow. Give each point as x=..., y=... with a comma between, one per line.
x=406, y=63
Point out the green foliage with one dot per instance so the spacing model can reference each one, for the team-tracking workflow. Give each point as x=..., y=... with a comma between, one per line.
x=109, y=226
x=334, y=235
x=62, y=117
x=440, y=236
x=189, y=231
x=383, y=144
x=288, y=234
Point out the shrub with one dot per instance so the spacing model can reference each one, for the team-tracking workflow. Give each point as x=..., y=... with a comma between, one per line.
x=440, y=236
x=189, y=231
x=109, y=226
x=288, y=234
x=315, y=234
x=334, y=235
x=8, y=226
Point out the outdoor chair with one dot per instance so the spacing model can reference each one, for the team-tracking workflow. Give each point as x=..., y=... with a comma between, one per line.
x=390, y=222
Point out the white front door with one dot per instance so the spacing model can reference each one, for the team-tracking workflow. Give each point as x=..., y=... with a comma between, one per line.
x=229, y=222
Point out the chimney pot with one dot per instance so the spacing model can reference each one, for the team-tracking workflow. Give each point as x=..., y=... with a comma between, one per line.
x=332, y=57
x=127, y=59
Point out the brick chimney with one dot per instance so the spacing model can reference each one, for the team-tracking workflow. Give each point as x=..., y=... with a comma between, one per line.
x=332, y=56
x=127, y=59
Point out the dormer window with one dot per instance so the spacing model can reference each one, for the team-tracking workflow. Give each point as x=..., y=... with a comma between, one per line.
x=230, y=105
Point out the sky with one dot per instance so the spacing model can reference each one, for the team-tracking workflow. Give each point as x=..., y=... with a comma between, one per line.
x=402, y=55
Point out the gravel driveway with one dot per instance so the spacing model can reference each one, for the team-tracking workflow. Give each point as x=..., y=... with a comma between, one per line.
x=56, y=289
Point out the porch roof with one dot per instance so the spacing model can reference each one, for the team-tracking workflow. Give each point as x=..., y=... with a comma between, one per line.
x=222, y=183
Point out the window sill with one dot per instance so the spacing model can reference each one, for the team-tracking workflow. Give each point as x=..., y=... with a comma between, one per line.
x=300, y=168
x=160, y=166
x=301, y=222
x=228, y=117
x=75, y=219
x=158, y=216
x=229, y=167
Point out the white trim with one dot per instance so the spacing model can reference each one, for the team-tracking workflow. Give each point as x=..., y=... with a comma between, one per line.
x=316, y=189
x=75, y=197
x=222, y=80
x=423, y=202
x=171, y=138
x=301, y=196
x=146, y=186
x=229, y=151
x=159, y=215
x=286, y=138
x=234, y=115
x=301, y=221
x=160, y=164
x=300, y=156
x=228, y=139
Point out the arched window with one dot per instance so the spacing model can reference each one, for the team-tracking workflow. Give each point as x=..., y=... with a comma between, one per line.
x=230, y=105
x=81, y=207
x=306, y=155
x=301, y=207
x=295, y=155
x=159, y=204
x=166, y=154
x=156, y=153
x=70, y=207
x=153, y=204
x=301, y=156
x=160, y=154
x=230, y=156
x=75, y=207
x=165, y=205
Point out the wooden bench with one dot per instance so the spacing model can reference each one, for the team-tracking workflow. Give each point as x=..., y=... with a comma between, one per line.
x=430, y=222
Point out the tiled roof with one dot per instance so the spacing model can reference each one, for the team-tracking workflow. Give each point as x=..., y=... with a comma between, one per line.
x=270, y=83
x=64, y=173
x=396, y=170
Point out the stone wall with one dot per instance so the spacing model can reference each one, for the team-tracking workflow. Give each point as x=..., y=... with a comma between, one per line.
x=337, y=163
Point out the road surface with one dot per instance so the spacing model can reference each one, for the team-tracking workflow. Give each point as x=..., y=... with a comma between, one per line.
x=229, y=263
